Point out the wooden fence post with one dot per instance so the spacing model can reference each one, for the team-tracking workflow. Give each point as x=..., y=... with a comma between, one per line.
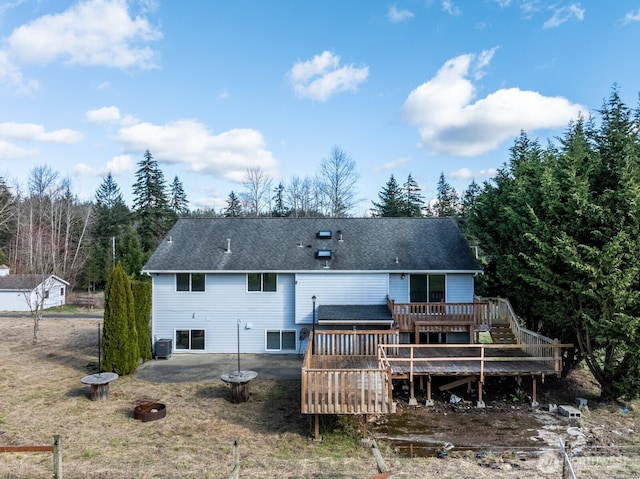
x=235, y=473
x=57, y=457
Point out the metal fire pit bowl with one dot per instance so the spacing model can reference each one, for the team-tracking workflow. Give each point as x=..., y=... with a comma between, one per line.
x=149, y=411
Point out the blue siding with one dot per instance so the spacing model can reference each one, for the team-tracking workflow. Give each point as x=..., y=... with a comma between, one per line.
x=218, y=309
x=399, y=288
x=459, y=288
x=338, y=288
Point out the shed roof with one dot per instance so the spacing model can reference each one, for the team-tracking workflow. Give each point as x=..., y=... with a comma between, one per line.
x=293, y=244
x=25, y=282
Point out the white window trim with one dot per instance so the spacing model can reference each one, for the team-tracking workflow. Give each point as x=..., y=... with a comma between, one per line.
x=190, y=290
x=261, y=291
x=280, y=331
x=175, y=339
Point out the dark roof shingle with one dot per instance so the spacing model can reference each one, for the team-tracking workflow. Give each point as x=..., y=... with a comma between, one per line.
x=291, y=244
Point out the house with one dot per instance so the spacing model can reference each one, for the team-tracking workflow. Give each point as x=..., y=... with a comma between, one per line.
x=24, y=292
x=264, y=284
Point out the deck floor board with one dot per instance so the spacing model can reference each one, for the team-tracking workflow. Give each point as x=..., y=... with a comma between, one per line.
x=498, y=362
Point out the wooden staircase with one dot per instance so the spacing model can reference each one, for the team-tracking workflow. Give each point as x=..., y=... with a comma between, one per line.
x=501, y=333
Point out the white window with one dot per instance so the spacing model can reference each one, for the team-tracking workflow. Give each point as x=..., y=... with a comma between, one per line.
x=190, y=339
x=190, y=281
x=281, y=340
x=265, y=282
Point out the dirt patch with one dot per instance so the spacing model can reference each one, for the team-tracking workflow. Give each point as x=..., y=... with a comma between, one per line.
x=41, y=395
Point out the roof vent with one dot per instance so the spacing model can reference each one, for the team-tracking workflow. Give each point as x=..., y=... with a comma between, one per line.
x=324, y=234
x=323, y=254
x=340, y=236
x=228, y=245
x=170, y=240
x=326, y=265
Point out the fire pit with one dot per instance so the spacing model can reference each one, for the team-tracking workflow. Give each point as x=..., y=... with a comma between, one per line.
x=149, y=411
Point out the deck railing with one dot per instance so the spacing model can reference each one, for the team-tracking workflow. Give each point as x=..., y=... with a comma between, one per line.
x=346, y=391
x=530, y=342
x=406, y=315
x=412, y=354
x=353, y=343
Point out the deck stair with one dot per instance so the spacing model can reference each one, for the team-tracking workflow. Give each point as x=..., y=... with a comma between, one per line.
x=501, y=333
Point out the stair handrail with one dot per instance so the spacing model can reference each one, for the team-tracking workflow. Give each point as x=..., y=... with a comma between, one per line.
x=534, y=344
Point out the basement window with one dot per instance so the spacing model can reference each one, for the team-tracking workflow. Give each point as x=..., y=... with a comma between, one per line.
x=280, y=340
x=190, y=339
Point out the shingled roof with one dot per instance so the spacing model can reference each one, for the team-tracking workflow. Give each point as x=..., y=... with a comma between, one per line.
x=292, y=244
x=24, y=282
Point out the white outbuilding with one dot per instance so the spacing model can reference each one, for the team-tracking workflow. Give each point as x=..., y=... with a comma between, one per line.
x=25, y=292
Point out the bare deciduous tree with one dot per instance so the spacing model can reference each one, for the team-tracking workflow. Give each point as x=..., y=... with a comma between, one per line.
x=339, y=177
x=49, y=233
x=257, y=188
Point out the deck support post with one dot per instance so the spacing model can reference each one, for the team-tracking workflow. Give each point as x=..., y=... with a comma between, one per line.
x=429, y=401
x=364, y=426
x=412, y=393
x=534, y=396
x=316, y=420
x=480, y=403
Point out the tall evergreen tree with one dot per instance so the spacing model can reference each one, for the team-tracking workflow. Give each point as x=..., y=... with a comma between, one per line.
x=178, y=198
x=279, y=207
x=562, y=229
x=111, y=217
x=142, y=305
x=119, y=334
x=150, y=204
x=234, y=206
x=392, y=201
x=129, y=252
x=447, y=201
x=413, y=200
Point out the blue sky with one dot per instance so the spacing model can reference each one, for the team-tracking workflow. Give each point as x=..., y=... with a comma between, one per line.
x=215, y=87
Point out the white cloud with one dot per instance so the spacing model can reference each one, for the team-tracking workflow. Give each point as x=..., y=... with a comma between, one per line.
x=11, y=152
x=11, y=75
x=449, y=7
x=322, y=77
x=564, y=14
x=117, y=166
x=392, y=165
x=35, y=132
x=451, y=121
x=398, y=16
x=632, y=16
x=188, y=142
x=468, y=174
x=92, y=32
x=109, y=114
x=106, y=114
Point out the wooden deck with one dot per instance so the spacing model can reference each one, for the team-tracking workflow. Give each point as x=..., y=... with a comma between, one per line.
x=462, y=360
x=440, y=317
x=351, y=372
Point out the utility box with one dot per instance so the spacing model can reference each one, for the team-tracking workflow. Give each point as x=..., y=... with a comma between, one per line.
x=163, y=348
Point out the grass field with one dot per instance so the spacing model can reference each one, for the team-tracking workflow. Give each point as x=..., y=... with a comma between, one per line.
x=41, y=396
